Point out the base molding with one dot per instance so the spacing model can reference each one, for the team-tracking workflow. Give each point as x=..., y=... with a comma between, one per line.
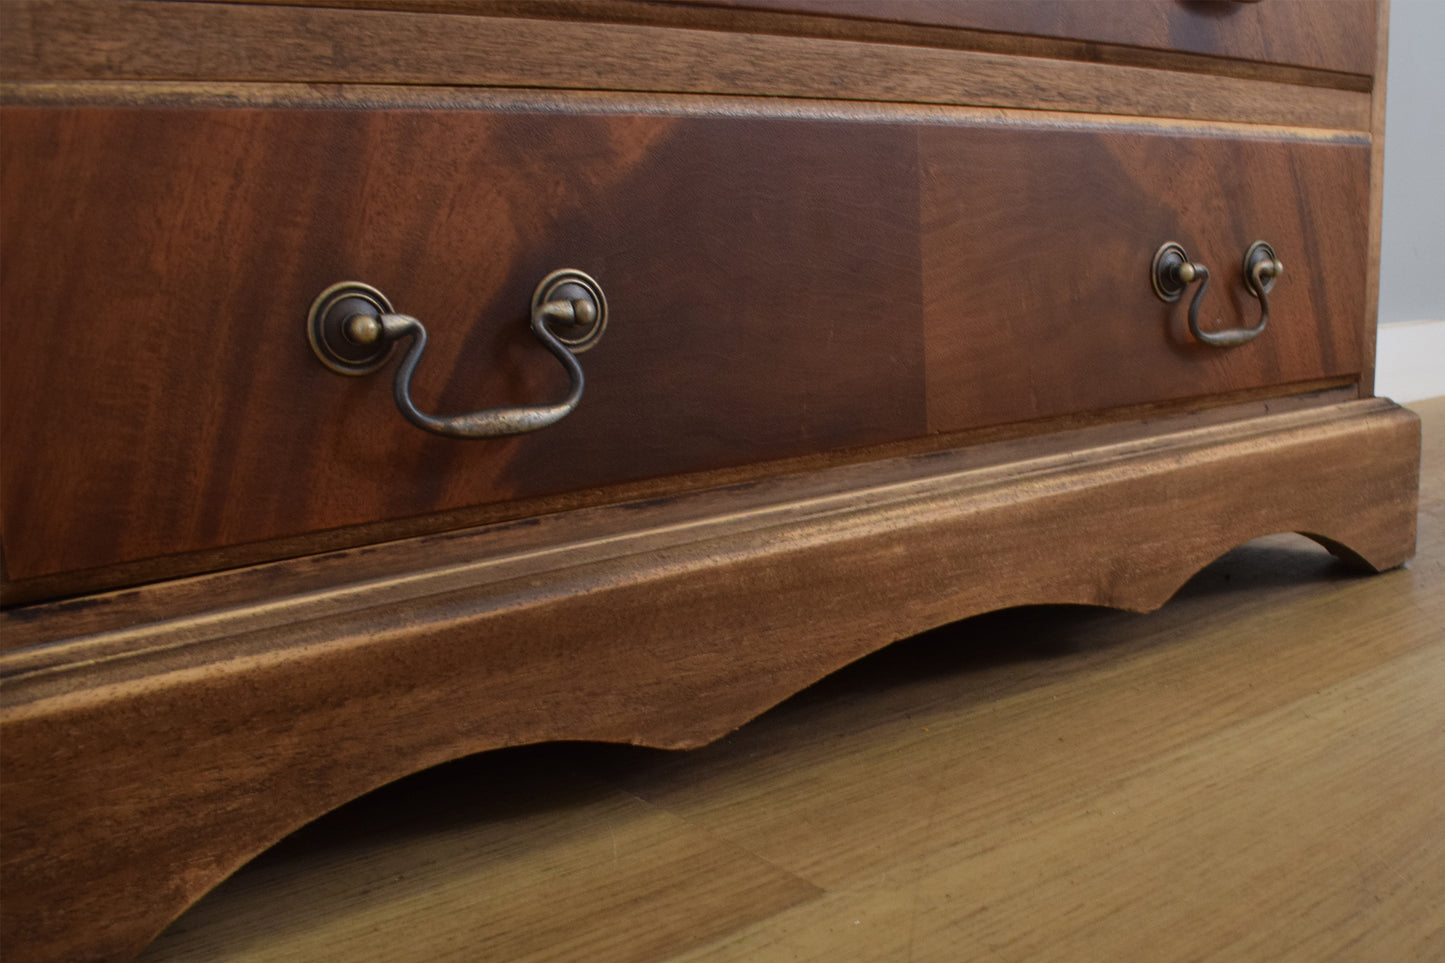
x=154, y=741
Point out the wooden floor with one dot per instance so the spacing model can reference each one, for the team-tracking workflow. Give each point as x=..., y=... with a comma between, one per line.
x=1255, y=772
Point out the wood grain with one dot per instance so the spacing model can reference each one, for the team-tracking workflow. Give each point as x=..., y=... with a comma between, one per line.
x=1339, y=36
x=879, y=23
x=791, y=283
x=284, y=589
x=120, y=41
x=207, y=750
x=1377, y=202
x=1069, y=301
x=761, y=310
x=1250, y=772
x=239, y=437
x=635, y=858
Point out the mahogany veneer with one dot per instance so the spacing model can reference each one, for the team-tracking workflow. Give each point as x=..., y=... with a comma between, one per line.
x=1294, y=32
x=783, y=296
x=884, y=352
x=183, y=748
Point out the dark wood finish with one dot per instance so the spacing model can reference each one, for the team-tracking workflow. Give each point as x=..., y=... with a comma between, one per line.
x=1025, y=785
x=1068, y=299
x=857, y=22
x=1377, y=199
x=1338, y=35
x=84, y=591
x=206, y=751
x=821, y=244
x=157, y=41
x=780, y=308
x=761, y=309
x=183, y=603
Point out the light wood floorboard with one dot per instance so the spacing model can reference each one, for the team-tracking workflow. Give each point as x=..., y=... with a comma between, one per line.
x=1253, y=772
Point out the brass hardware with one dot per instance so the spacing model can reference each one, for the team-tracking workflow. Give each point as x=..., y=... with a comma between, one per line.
x=351, y=327
x=1173, y=271
x=334, y=337
x=1261, y=267
x=362, y=329
x=575, y=300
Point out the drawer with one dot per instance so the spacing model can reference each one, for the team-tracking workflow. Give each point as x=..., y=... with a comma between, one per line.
x=1038, y=244
x=1337, y=36
x=779, y=286
x=161, y=397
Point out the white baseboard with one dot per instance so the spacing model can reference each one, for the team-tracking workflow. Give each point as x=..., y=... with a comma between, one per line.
x=1410, y=360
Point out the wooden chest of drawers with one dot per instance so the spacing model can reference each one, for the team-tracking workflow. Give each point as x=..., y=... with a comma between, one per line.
x=892, y=337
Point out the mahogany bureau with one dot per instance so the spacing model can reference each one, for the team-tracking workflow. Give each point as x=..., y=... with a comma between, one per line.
x=892, y=313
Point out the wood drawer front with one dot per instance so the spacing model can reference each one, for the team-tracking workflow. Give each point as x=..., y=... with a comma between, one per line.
x=1038, y=246
x=160, y=395
x=1338, y=35
x=779, y=286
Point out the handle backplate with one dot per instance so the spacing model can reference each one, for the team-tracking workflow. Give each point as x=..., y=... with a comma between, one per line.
x=326, y=328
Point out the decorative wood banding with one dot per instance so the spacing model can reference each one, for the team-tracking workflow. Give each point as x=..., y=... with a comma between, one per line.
x=159, y=41
x=1339, y=38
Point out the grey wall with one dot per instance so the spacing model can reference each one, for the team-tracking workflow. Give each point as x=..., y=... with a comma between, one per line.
x=1412, y=228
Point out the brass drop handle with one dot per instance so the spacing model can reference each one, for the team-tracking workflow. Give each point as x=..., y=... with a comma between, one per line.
x=1173, y=271
x=352, y=328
